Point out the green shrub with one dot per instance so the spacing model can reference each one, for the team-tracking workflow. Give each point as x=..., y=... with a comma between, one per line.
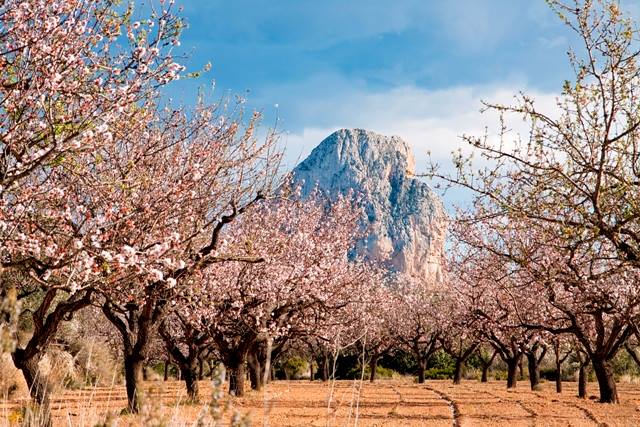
x=499, y=375
x=381, y=372
x=292, y=368
x=623, y=364
x=439, y=373
x=442, y=360
x=400, y=361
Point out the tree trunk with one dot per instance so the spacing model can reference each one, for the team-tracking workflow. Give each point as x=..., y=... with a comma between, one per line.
x=237, y=375
x=582, y=380
x=256, y=374
x=485, y=373
x=254, y=378
x=136, y=326
x=211, y=368
x=46, y=321
x=512, y=372
x=559, y=360
x=38, y=384
x=486, y=364
x=133, y=365
x=266, y=364
x=457, y=373
x=534, y=370
x=521, y=368
x=422, y=366
x=373, y=366
x=200, y=369
x=606, y=381
x=311, y=369
x=190, y=379
x=323, y=368
x=166, y=370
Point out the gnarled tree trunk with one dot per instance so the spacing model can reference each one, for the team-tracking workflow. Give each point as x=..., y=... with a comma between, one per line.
x=534, y=371
x=136, y=326
x=323, y=367
x=237, y=375
x=39, y=386
x=373, y=367
x=422, y=352
x=512, y=371
x=606, y=380
x=486, y=364
x=422, y=366
x=521, y=369
x=133, y=365
x=183, y=336
x=311, y=373
x=460, y=357
x=46, y=321
x=259, y=357
x=485, y=374
x=457, y=373
x=188, y=373
x=582, y=381
x=256, y=373
x=200, y=369
x=166, y=370
x=533, y=363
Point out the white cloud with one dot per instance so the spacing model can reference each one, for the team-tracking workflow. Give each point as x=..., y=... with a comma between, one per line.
x=429, y=120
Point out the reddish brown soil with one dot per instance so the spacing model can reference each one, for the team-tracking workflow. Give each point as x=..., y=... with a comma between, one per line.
x=385, y=403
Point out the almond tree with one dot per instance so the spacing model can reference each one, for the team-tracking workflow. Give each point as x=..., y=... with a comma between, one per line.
x=591, y=298
x=185, y=345
x=499, y=302
x=304, y=270
x=70, y=70
x=486, y=357
x=416, y=330
x=378, y=322
x=163, y=196
x=588, y=295
x=561, y=351
x=459, y=337
x=574, y=180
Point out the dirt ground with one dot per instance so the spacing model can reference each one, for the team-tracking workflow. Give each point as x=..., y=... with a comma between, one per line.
x=385, y=403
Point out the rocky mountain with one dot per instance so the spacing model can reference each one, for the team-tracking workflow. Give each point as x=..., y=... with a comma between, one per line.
x=407, y=219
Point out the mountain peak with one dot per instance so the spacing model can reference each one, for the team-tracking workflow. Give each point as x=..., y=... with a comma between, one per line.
x=367, y=148
x=406, y=217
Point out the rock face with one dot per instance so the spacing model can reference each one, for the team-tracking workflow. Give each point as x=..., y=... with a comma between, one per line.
x=406, y=218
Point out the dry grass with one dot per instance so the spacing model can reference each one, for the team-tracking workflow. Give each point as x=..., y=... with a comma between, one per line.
x=386, y=403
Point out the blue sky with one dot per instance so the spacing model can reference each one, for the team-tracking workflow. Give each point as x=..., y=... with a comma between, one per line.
x=414, y=68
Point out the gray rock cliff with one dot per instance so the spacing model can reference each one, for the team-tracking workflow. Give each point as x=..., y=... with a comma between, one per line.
x=406, y=218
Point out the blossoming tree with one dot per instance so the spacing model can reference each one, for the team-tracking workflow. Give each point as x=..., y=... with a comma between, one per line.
x=69, y=71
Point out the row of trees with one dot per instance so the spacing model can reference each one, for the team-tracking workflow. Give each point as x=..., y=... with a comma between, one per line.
x=107, y=196
x=551, y=242
x=547, y=256
x=467, y=317
x=174, y=222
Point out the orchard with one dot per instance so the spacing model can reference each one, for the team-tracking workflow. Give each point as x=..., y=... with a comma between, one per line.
x=174, y=236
